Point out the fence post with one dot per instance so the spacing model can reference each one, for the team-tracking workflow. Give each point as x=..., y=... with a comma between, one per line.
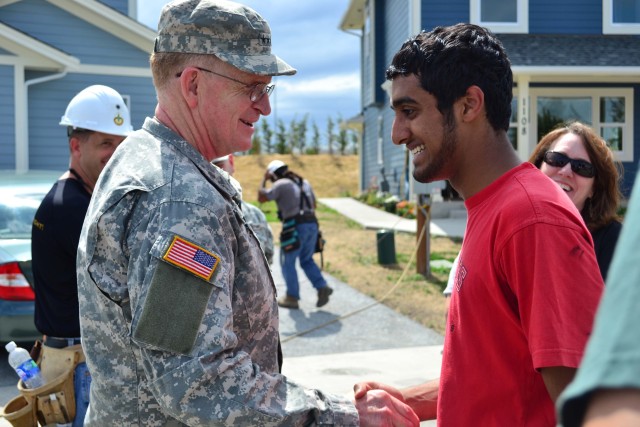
x=424, y=223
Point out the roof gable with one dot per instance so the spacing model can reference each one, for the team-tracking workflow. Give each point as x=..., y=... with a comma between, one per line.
x=90, y=18
x=33, y=52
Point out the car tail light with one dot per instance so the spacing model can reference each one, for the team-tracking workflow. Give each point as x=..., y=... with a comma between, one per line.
x=13, y=285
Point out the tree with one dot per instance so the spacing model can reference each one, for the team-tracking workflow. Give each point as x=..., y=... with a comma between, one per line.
x=282, y=136
x=354, y=142
x=267, y=136
x=315, y=140
x=342, y=138
x=301, y=134
x=256, y=142
x=330, y=135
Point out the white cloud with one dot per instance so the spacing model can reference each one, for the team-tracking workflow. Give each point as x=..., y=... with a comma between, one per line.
x=337, y=84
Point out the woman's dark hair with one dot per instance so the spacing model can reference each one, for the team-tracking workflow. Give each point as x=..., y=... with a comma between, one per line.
x=449, y=60
x=600, y=209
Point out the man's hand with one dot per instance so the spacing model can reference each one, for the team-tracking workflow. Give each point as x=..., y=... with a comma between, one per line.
x=382, y=405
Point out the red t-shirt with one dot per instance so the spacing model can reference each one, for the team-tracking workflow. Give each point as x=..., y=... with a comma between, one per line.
x=525, y=295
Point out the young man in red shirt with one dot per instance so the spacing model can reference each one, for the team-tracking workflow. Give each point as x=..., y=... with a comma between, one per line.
x=527, y=284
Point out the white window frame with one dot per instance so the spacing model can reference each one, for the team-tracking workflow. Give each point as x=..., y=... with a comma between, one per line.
x=610, y=27
x=626, y=154
x=521, y=26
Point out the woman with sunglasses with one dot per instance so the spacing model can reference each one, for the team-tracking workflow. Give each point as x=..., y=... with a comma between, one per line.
x=581, y=163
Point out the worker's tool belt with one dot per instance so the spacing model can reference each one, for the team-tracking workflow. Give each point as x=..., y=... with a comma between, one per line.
x=304, y=217
x=54, y=402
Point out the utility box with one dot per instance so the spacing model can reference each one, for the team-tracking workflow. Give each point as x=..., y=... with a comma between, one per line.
x=386, y=247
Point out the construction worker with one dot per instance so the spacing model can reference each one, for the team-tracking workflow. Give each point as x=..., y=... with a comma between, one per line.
x=97, y=121
x=296, y=209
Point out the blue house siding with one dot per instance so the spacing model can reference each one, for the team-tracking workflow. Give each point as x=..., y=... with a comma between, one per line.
x=437, y=12
x=562, y=17
x=7, y=118
x=48, y=147
x=79, y=38
x=120, y=5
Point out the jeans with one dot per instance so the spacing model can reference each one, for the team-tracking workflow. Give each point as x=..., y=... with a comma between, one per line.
x=81, y=385
x=308, y=234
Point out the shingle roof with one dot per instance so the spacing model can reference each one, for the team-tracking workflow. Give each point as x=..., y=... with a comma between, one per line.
x=572, y=50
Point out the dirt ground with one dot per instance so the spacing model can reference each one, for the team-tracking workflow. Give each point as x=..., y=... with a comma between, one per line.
x=351, y=251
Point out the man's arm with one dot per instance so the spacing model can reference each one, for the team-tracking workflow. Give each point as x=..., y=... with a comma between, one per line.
x=619, y=407
x=556, y=379
x=422, y=399
x=262, y=191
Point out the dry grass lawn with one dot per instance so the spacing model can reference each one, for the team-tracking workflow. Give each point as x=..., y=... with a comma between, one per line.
x=351, y=251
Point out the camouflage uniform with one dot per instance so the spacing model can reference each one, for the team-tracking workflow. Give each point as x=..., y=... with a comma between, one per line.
x=254, y=217
x=258, y=222
x=167, y=342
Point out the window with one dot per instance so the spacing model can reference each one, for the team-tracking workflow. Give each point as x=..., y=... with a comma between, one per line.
x=621, y=16
x=501, y=16
x=609, y=111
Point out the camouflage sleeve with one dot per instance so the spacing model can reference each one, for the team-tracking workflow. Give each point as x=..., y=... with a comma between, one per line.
x=207, y=339
x=258, y=222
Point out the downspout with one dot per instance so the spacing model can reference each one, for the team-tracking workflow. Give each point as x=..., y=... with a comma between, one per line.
x=22, y=144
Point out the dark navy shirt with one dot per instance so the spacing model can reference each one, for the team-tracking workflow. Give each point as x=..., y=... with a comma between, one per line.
x=54, y=243
x=604, y=243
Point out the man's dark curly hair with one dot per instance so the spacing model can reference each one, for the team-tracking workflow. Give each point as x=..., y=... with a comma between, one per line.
x=448, y=60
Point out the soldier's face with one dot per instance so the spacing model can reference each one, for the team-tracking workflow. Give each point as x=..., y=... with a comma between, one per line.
x=228, y=105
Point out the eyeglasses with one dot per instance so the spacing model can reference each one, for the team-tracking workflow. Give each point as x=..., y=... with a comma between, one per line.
x=256, y=91
x=559, y=160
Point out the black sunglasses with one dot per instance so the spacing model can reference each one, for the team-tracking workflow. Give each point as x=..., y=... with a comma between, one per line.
x=559, y=160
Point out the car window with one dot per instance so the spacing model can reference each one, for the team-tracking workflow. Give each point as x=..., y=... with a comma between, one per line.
x=16, y=215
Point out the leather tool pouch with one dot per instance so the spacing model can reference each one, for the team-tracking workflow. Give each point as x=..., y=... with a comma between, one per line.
x=289, y=240
x=54, y=402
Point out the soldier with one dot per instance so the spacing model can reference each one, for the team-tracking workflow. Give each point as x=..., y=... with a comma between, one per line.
x=178, y=307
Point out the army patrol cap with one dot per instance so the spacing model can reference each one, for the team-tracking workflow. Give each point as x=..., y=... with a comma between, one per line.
x=231, y=31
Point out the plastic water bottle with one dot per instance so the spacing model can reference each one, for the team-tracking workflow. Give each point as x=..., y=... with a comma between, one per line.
x=25, y=367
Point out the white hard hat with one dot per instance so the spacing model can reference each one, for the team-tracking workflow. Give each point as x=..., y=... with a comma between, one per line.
x=98, y=108
x=275, y=165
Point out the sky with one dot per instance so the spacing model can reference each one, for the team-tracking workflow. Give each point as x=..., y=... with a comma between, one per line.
x=305, y=34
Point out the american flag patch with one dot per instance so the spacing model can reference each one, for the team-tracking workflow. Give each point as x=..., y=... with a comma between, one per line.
x=191, y=257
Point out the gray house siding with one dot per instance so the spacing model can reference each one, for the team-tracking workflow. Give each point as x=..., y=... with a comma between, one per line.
x=7, y=117
x=393, y=17
x=79, y=38
x=48, y=148
x=397, y=25
x=369, y=154
x=561, y=17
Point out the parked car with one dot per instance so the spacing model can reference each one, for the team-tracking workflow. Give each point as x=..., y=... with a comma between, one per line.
x=20, y=196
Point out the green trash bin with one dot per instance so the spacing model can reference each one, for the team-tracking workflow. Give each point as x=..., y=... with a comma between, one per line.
x=386, y=247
